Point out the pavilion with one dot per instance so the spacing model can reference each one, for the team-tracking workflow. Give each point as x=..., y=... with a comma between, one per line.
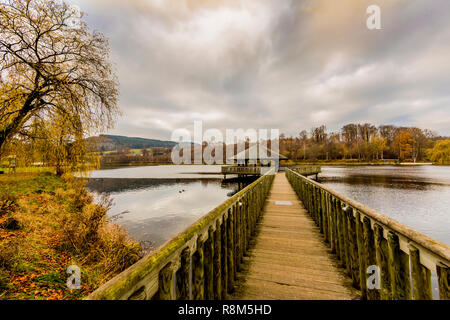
x=253, y=161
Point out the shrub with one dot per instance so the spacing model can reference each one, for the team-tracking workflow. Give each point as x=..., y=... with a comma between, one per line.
x=8, y=203
x=4, y=283
x=99, y=241
x=8, y=252
x=77, y=196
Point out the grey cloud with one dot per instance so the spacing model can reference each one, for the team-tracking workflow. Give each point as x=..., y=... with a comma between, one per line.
x=276, y=64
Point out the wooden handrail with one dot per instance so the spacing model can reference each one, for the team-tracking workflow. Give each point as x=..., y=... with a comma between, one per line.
x=242, y=170
x=362, y=237
x=200, y=262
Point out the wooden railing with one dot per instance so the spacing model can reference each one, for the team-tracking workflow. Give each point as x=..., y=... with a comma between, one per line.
x=307, y=170
x=385, y=259
x=243, y=170
x=201, y=262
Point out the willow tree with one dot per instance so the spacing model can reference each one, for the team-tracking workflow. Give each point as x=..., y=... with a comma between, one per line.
x=440, y=154
x=53, y=65
x=61, y=147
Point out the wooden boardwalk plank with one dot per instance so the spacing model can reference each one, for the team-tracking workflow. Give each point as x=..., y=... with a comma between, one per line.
x=289, y=260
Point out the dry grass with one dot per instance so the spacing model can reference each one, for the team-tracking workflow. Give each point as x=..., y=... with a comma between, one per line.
x=58, y=226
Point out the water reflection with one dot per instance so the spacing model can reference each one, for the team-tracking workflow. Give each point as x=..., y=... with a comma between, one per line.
x=158, y=209
x=416, y=196
x=162, y=172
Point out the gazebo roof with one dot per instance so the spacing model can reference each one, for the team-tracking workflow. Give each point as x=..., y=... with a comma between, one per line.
x=254, y=152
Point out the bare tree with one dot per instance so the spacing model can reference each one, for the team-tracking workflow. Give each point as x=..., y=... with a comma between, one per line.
x=52, y=63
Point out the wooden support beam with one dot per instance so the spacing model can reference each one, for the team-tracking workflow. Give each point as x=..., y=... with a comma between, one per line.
x=361, y=257
x=444, y=282
x=381, y=247
x=217, y=262
x=209, y=265
x=182, y=275
x=421, y=276
x=398, y=269
x=224, y=258
x=166, y=287
x=198, y=279
x=353, y=248
x=370, y=259
x=230, y=251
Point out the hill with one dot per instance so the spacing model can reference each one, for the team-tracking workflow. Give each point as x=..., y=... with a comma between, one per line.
x=111, y=142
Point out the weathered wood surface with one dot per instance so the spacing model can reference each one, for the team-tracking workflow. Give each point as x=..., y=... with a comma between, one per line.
x=382, y=256
x=289, y=259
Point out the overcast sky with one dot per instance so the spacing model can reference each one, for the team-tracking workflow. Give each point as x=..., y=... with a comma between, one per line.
x=283, y=64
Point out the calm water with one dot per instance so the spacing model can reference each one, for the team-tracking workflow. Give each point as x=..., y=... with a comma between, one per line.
x=416, y=196
x=160, y=202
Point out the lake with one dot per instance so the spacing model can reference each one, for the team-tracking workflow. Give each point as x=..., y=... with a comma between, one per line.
x=417, y=196
x=162, y=201
x=156, y=203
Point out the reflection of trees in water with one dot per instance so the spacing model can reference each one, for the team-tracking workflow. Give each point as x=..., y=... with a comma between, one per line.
x=385, y=181
x=111, y=185
x=116, y=185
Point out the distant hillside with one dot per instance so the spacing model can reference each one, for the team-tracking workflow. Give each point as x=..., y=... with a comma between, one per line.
x=110, y=143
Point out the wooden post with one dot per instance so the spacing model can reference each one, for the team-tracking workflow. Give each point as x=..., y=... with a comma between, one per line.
x=224, y=256
x=317, y=205
x=237, y=237
x=320, y=212
x=230, y=250
x=341, y=232
x=165, y=291
x=198, y=278
x=331, y=223
x=217, y=262
x=325, y=218
x=209, y=265
x=398, y=269
x=370, y=257
x=334, y=227
x=244, y=227
x=314, y=204
x=381, y=248
x=353, y=248
x=245, y=208
x=182, y=275
x=308, y=199
x=361, y=260
x=251, y=218
x=421, y=276
x=348, y=261
x=444, y=282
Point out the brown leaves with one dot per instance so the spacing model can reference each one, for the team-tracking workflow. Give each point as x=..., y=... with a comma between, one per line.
x=35, y=258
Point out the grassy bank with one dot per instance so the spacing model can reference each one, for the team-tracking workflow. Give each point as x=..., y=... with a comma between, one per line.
x=28, y=170
x=344, y=163
x=49, y=223
x=287, y=163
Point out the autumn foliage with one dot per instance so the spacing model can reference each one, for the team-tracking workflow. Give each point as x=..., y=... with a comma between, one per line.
x=57, y=84
x=53, y=223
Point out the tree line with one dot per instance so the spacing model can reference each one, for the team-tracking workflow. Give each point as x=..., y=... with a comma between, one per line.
x=361, y=142
x=354, y=142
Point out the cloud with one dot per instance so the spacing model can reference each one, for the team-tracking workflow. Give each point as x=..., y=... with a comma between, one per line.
x=286, y=64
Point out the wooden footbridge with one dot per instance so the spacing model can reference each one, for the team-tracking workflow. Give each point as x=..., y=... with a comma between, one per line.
x=288, y=237
x=289, y=259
